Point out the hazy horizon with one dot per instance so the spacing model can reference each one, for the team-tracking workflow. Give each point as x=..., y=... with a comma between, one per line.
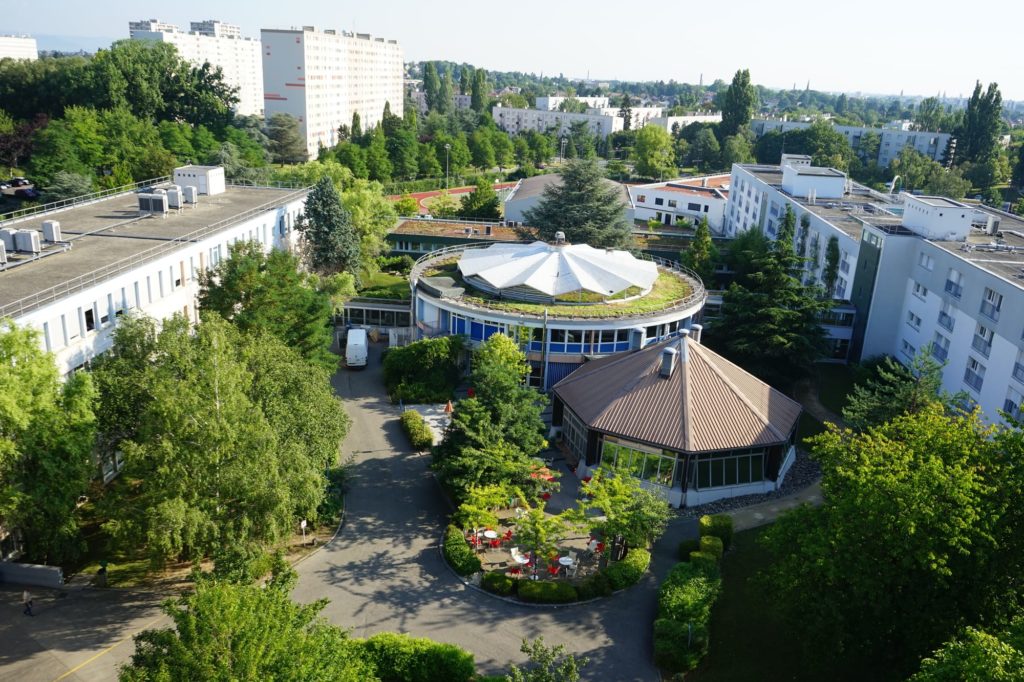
x=796, y=45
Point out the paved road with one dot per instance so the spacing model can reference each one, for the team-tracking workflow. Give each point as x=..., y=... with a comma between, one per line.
x=384, y=571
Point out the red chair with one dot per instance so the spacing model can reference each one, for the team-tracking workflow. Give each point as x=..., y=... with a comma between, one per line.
x=600, y=548
x=515, y=572
x=553, y=569
x=507, y=537
x=546, y=496
x=473, y=541
x=495, y=543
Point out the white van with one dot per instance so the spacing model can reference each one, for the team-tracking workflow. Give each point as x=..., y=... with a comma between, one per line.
x=355, y=348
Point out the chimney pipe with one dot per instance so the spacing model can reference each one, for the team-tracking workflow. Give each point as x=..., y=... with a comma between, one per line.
x=668, y=362
x=684, y=345
x=695, y=332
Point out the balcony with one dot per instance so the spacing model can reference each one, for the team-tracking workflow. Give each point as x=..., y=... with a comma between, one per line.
x=1011, y=408
x=945, y=321
x=990, y=310
x=939, y=353
x=973, y=379
x=1018, y=372
x=981, y=345
x=954, y=289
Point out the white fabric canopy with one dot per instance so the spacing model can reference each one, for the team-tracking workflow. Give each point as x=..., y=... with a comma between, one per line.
x=557, y=270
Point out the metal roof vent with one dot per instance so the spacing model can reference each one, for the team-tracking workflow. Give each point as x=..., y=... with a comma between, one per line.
x=559, y=238
x=668, y=362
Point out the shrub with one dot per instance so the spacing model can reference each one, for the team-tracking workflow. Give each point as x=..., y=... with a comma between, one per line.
x=627, y=572
x=425, y=371
x=458, y=553
x=401, y=264
x=709, y=544
x=400, y=658
x=594, y=586
x=670, y=645
x=704, y=560
x=420, y=435
x=685, y=599
x=687, y=546
x=498, y=583
x=547, y=592
x=719, y=526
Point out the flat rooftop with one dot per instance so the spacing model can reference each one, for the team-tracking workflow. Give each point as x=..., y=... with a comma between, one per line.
x=105, y=233
x=441, y=228
x=1002, y=256
x=942, y=202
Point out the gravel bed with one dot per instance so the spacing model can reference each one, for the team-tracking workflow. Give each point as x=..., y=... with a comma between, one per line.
x=804, y=472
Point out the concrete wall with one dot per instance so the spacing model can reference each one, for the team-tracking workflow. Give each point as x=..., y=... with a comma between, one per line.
x=31, y=574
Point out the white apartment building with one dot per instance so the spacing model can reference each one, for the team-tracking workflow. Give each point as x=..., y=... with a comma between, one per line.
x=420, y=97
x=73, y=285
x=685, y=200
x=892, y=139
x=552, y=103
x=602, y=122
x=220, y=44
x=670, y=122
x=18, y=47
x=322, y=77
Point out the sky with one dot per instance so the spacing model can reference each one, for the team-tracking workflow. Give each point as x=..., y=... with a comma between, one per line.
x=871, y=46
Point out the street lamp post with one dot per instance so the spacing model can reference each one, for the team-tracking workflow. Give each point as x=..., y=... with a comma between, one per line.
x=447, y=147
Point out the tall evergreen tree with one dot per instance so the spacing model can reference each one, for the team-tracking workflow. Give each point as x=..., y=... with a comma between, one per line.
x=445, y=93
x=738, y=104
x=770, y=324
x=482, y=203
x=431, y=86
x=286, y=142
x=478, y=99
x=588, y=208
x=377, y=161
x=892, y=390
x=979, y=132
x=465, y=80
x=626, y=112
x=357, y=127
x=332, y=244
x=701, y=255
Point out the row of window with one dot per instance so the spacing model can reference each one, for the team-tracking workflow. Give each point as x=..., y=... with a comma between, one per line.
x=647, y=464
x=572, y=341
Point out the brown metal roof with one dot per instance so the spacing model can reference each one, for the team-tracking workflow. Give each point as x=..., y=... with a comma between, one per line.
x=707, y=403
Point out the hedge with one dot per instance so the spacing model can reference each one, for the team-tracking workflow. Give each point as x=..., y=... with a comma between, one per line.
x=685, y=599
x=704, y=560
x=709, y=544
x=425, y=371
x=400, y=658
x=546, y=592
x=719, y=526
x=458, y=553
x=420, y=435
x=594, y=586
x=498, y=583
x=687, y=546
x=627, y=572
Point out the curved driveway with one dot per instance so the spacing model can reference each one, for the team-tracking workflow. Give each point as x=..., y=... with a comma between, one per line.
x=384, y=570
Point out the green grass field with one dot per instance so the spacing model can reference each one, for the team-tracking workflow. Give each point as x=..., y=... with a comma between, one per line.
x=385, y=285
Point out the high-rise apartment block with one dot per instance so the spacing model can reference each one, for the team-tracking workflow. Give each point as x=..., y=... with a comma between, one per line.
x=18, y=47
x=323, y=77
x=219, y=44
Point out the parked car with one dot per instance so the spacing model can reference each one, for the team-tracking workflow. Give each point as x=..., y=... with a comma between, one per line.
x=20, y=182
x=5, y=185
x=26, y=193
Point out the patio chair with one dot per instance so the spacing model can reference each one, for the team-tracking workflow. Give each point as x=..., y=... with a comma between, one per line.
x=575, y=562
x=553, y=569
x=495, y=543
x=515, y=572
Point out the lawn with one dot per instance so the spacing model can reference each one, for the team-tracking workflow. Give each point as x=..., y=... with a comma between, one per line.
x=835, y=382
x=385, y=285
x=749, y=640
x=808, y=427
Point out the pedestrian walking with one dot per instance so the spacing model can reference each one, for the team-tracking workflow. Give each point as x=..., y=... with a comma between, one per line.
x=26, y=599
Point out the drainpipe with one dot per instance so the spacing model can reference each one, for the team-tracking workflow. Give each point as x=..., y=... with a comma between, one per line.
x=547, y=342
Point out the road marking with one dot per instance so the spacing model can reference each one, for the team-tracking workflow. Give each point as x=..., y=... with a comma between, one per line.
x=105, y=651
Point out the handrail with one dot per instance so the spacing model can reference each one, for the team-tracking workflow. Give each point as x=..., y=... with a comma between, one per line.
x=40, y=298
x=17, y=216
x=697, y=290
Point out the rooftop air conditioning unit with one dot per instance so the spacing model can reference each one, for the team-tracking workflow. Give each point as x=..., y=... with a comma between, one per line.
x=51, y=231
x=28, y=241
x=174, y=198
x=153, y=203
x=3, y=254
x=191, y=193
x=7, y=237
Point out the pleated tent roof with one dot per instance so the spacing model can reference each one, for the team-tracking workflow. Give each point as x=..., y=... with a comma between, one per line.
x=558, y=269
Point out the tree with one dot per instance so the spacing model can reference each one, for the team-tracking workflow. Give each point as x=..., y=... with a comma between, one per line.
x=66, y=185
x=892, y=390
x=705, y=152
x=432, y=87
x=445, y=92
x=465, y=80
x=481, y=150
x=637, y=514
x=978, y=134
x=831, y=272
x=911, y=541
x=286, y=142
x=977, y=655
x=357, y=127
x=482, y=203
x=736, y=149
x=429, y=167
x=701, y=255
x=502, y=149
x=444, y=205
x=918, y=172
x=267, y=293
x=47, y=432
x=408, y=205
x=770, y=321
x=478, y=99
x=402, y=150
x=653, y=153
x=738, y=104
x=353, y=157
x=626, y=112
x=540, y=532
x=331, y=241
x=1018, y=168
x=377, y=162
x=373, y=216
x=499, y=377
x=546, y=666
x=585, y=206
x=229, y=631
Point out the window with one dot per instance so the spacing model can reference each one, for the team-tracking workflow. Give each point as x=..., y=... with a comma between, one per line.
x=946, y=317
x=982, y=341
x=640, y=461
x=913, y=320
x=658, y=201
x=974, y=375
x=574, y=434
x=1012, y=404
x=925, y=261
x=641, y=198
x=738, y=468
x=907, y=349
x=954, y=283
x=920, y=290
x=90, y=320
x=940, y=347
x=991, y=304
x=693, y=207
x=671, y=203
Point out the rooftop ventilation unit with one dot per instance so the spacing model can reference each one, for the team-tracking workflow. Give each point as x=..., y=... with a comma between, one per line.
x=191, y=193
x=559, y=237
x=668, y=362
x=51, y=231
x=7, y=237
x=153, y=204
x=27, y=241
x=174, y=198
x=3, y=254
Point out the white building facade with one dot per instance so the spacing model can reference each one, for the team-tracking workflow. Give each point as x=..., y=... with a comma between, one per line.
x=323, y=77
x=552, y=103
x=18, y=47
x=686, y=200
x=602, y=122
x=220, y=44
